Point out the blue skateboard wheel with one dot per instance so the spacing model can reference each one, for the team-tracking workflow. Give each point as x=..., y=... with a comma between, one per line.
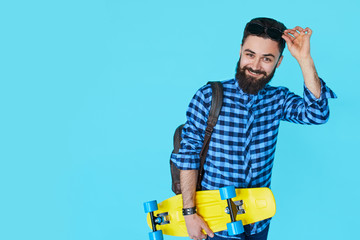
x=150, y=206
x=227, y=192
x=157, y=235
x=235, y=228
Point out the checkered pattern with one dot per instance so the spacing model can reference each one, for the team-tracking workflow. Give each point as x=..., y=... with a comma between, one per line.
x=242, y=147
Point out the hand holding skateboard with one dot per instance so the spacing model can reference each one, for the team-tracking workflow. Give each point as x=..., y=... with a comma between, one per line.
x=196, y=226
x=242, y=206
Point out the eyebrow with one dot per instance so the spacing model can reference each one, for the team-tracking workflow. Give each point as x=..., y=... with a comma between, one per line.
x=265, y=55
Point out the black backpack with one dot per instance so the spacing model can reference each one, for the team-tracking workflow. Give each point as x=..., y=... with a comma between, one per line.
x=216, y=104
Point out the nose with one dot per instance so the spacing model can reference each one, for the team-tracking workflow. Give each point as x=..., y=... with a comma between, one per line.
x=256, y=64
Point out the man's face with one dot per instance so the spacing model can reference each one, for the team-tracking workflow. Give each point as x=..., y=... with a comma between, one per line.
x=259, y=57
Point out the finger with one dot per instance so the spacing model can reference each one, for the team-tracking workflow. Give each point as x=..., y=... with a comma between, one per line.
x=199, y=235
x=287, y=40
x=208, y=230
x=202, y=236
x=293, y=29
x=308, y=31
x=292, y=33
x=300, y=29
x=295, y=32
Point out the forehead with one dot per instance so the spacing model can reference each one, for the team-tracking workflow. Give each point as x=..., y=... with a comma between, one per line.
x=261, y=45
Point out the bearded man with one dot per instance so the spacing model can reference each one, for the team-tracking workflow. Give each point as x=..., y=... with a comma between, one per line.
x=242, y=146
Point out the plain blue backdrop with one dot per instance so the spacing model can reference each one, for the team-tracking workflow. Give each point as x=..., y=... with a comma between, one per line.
x=91, y=92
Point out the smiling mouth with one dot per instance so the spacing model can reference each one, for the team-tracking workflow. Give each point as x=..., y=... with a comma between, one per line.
x=256, y=74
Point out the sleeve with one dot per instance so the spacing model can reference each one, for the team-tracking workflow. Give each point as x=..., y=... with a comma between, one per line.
x=309, y=109
x=193, y=132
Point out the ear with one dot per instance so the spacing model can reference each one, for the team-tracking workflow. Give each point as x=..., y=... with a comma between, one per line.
x=279, y=62
x=240, y=50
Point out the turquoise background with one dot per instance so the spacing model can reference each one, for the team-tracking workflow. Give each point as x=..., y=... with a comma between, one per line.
x=92, y=91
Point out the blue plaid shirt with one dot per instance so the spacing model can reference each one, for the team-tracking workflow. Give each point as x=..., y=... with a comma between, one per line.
x=242, y=146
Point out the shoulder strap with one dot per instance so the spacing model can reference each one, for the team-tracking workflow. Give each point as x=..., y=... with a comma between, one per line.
x=216, y=104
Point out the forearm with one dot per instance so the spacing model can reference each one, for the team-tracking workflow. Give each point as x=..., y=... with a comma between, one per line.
x=188, y=180
x=310, y=75
x=298, y=41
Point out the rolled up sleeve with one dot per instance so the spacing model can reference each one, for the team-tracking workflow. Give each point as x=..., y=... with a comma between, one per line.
x=193, y=132
x=309, y=109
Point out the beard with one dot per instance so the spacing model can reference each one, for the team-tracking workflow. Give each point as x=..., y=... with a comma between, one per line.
x=249, y=84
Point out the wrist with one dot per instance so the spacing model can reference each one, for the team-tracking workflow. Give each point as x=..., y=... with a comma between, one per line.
x=306, y=61
x=188, y=211
x=190, y=218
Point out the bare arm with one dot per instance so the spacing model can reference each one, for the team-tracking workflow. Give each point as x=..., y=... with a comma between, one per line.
x=311, y=77
x=298, y=41
x=188, y=179
x=194, y=223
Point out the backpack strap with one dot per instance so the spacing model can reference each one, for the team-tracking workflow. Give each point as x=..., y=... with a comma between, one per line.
x=216, y=104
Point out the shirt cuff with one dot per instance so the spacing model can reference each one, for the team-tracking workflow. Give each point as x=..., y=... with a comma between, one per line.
x=185, y=161
x=326, y=93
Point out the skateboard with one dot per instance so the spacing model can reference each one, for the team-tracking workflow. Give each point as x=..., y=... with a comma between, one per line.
x=224, y=209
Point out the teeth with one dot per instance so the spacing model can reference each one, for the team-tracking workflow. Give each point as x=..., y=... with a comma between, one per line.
x=253, y=72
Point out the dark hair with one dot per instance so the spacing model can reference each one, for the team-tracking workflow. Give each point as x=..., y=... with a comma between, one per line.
x=268, y=23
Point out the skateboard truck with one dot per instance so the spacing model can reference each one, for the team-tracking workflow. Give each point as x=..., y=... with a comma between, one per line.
x=237, y=207
x=234, y=227
x=160, y=219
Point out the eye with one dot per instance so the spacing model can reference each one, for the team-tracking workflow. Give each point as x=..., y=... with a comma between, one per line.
x=267, y=60
x=250, y=55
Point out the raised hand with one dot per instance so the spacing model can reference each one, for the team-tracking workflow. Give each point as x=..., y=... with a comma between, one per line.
x=298, y=41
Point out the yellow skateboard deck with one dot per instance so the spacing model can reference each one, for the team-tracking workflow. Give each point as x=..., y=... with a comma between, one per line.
x=252, y=205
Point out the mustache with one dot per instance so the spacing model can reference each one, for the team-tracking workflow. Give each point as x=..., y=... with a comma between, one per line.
x=254, y=71
x=247, y=83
